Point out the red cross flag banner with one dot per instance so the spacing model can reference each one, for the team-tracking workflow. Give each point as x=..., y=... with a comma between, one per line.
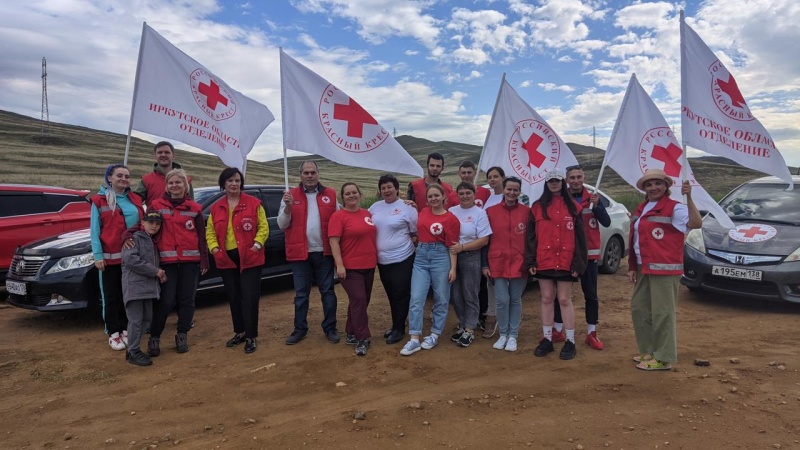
x=522, y=143
x=642, y=140
x=715, y=117
x=178, y=98
x=320, y=119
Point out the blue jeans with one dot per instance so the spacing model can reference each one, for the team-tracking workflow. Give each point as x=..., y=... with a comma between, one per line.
x=320, y=269
x=509, y=304
x=431, y=267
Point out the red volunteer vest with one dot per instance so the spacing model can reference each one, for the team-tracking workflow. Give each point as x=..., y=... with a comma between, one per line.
x=112, y=226
x=156, y=185
x=419, y=187
x=179, y=240
x=481, y=195
x=660, y=244
x=296, y=243
x=245, y=228
x=590, y=226
x=555, y=237
x=507, y=244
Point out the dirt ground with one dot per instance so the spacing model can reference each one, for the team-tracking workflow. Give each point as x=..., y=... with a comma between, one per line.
x=63, y=387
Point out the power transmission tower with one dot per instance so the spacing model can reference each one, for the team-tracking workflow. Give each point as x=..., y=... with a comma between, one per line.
x=45, y=107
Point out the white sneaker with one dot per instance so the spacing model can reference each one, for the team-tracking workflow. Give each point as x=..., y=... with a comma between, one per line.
x=429, y=342
x=124, y=337
x=410, y=348
x=511, y=345
x=501, y=343
x=116, y=342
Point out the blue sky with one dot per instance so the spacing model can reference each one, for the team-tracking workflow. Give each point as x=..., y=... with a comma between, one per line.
x=429, y=68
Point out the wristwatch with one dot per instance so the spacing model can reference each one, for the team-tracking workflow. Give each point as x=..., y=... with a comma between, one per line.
x=257, y=245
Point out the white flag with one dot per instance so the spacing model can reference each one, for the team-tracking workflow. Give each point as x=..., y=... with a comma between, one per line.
x=714, y=115
x=321, y=119
x=642, y=140
x=522, y=143
x=177, y=98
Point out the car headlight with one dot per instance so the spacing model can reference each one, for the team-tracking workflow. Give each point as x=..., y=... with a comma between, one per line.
x=695, y=240
x=794, y=256
x=72, y=262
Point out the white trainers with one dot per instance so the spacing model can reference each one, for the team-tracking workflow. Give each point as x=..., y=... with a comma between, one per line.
x=429, y=342
x=124, y=337
x=511, y=345
x=501, y=343
x=410, y=348
x=116, y=342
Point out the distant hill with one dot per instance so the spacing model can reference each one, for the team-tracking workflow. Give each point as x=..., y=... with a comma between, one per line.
x=74, y=156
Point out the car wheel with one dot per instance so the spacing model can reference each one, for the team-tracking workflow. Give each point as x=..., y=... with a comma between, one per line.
x=611, y=256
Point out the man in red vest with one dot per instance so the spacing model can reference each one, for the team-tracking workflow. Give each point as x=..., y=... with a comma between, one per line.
x=304, y=216
x=466, y=171
x=593, y=218
x=416, y=189
x=153, y=185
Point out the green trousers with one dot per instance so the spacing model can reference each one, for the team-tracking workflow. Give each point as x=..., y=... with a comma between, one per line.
x=653, y=305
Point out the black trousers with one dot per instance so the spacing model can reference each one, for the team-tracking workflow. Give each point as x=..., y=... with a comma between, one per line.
x=589, y=287
x=243, y=291
x=113, y=308
x=396, y=279
x=180, y=288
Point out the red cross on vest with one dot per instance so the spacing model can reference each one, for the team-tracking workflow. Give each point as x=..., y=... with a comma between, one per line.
x=534, y=157
x=355, y=116
x=669, y=156
x=752, y=231
x=212, y=94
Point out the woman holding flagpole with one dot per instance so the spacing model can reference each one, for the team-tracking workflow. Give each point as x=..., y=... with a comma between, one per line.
x=655, y=265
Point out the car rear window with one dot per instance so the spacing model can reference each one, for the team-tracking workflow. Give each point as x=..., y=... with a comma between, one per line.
x=19, y=204
x=765, y=202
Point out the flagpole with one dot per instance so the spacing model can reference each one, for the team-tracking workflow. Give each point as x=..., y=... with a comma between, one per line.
x=283, y=127
x=685, y=158
x=135, y=91
x=494, y=114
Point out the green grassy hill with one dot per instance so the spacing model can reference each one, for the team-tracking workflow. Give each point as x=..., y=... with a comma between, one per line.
x=76, y=157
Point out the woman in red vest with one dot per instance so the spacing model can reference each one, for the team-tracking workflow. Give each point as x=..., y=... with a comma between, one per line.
x=236, y=232
x=113, y=212
x=352, y=236
x=655, y=264
x=184, y=257
x=557, y=256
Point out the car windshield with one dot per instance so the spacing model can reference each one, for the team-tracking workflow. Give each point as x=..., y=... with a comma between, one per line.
x=769, y=202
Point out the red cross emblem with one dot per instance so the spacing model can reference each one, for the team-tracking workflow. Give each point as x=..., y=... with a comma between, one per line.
x=732, y=89
x=213, y=96
x=189, y=224
x=355, y=116
x=436, y=229
x=657, y=233
x=531, y=145
x=669, y=156
x=368, y=221
x=325, y=199
x=592, y=223
x=752, y=231
x=479, y=203
x=247, y=226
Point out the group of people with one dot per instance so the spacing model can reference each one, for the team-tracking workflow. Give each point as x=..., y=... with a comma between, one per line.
x=472, y=247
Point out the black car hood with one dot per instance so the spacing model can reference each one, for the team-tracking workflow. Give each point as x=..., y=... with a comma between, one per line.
x=785, y=241
x=67, y=244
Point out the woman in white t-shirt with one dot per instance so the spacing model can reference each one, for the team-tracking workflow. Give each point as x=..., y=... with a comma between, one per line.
x=396, y=224
x=488, y=312
x=474, y=235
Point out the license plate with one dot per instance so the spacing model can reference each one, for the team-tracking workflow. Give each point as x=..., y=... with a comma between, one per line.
x=15, y=287
x=735, y=272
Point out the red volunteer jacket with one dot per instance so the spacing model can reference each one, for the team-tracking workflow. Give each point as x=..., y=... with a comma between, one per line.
x=590, y=226
x=660, y=243
x=296, y=243
x=179, y=240
x=506, y=254
x=245, y=228
x=112, y=227
x=419, y=187
x=481, y=195
x=556, y=242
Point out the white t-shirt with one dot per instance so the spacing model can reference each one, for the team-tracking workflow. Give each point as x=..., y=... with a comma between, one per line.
x=395, y=223
x=493, y=200
x=474, y=223
x=680, y=218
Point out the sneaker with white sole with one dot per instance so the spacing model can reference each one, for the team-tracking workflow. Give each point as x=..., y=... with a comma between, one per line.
x=124, y=337
x=511, y=344
x=410, y=348
x=466, y=338
x=501, y=343
x=457, y=335
x=115, y=341
x=429, y=342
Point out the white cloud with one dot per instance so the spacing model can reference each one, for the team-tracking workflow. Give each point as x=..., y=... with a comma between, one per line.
x=473, y=75
x=410, y=52
x=525, y=83
x=555, y=87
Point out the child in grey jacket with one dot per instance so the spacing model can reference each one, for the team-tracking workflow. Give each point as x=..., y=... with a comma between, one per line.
x=141, y=285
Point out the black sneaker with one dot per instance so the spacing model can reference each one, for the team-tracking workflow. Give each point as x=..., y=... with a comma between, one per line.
x=482, y=324
x=457, y=335
x=295, y=337
x=387, y=333
x=568, y=351
x=235, y=340
x=181, y=343
x=466, y=338
x=362, y=346
x=138, y=358
x=395, y=337
x=154, y=346
x=545, y=346
x=333, y=336
x=350, y=339
x=249, y=345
